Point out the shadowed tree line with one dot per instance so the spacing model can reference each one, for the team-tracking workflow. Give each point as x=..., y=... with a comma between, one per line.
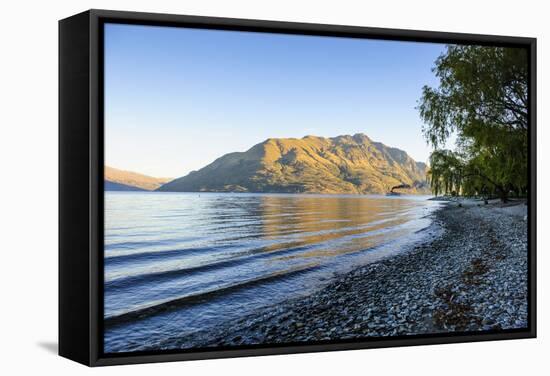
x=482, y=99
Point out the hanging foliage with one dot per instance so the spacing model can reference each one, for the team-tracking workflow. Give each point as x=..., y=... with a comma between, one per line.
x=482, y=98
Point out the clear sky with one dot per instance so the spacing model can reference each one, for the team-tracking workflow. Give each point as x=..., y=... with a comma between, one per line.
x=176, y=99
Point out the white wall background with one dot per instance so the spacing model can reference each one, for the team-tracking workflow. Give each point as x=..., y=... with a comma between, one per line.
x=28, y=197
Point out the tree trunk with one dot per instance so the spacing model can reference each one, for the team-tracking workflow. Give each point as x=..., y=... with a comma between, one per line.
x=502, y=194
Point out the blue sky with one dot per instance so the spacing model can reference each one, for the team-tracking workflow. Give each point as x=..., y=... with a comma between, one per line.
x=176, y=99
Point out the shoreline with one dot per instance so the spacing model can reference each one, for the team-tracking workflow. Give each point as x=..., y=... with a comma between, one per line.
x=471, y=277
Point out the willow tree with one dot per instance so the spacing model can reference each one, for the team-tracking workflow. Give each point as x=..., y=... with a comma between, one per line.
x=482, y=98
x=446, y=172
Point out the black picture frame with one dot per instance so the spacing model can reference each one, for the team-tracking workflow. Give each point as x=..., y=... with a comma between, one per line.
x=81, y=183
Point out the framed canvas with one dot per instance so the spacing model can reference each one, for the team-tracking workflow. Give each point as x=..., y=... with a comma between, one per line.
x=234, y=187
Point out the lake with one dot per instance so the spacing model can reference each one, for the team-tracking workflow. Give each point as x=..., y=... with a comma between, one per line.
x=175, y=263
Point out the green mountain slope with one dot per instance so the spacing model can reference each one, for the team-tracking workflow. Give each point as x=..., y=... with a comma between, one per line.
x=343, y=164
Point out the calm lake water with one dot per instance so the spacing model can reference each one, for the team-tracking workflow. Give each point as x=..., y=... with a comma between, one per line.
x=179, y=262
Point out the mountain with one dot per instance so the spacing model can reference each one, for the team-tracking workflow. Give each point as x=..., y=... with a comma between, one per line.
x=120, y=180
x=112, y=186
x=343, y=164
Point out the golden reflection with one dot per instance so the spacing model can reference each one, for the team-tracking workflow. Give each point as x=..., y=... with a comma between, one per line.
x=336, y=224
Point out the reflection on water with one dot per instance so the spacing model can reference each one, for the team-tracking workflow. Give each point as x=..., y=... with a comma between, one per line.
x=179, y=262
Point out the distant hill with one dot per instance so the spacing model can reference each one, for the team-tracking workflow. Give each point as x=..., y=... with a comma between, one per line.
x=111, y=186
x=120, y=180
x=343, y=164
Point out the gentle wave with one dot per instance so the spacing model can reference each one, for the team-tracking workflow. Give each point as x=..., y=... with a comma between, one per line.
x=163, y=306
x=242, y=254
